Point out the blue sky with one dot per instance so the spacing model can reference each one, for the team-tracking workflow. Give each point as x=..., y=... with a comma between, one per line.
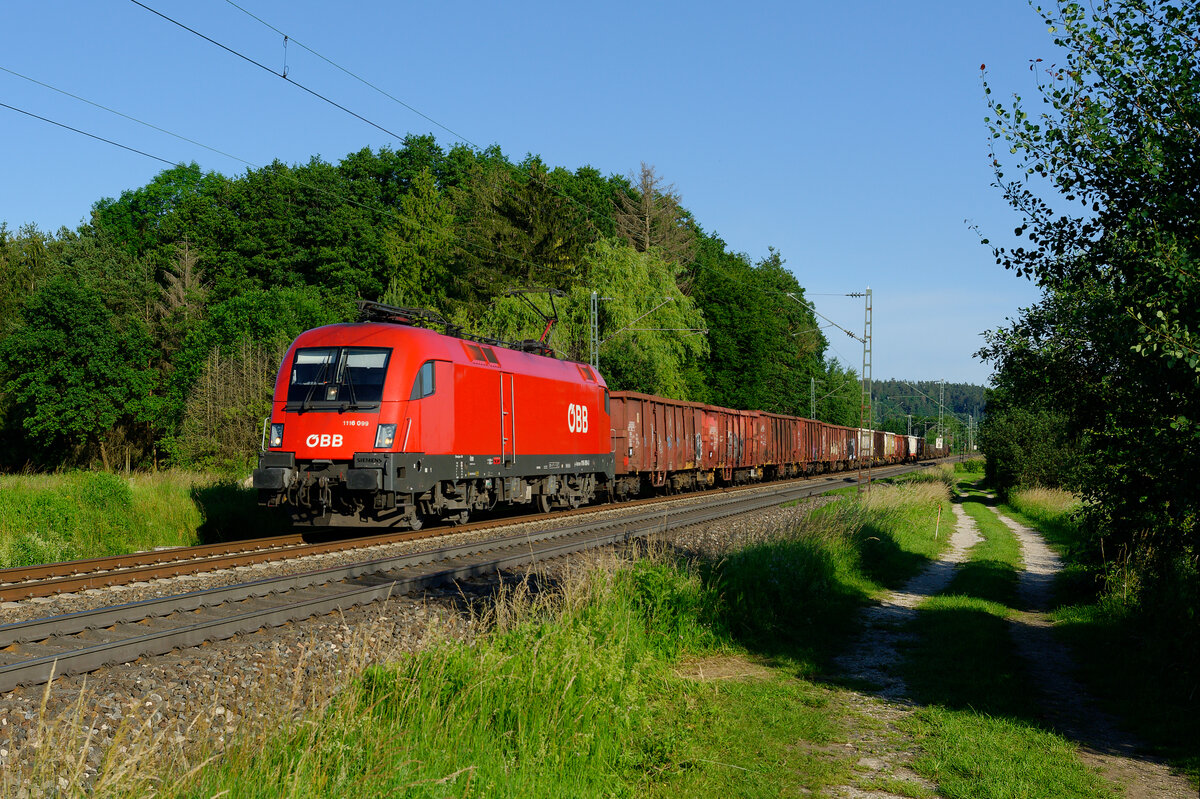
x=848, y=136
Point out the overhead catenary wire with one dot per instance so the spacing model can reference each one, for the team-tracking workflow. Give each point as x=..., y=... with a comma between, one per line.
x=85, y=133
x=266, y=68
x=295, y=180
x=586, y=208
x=179, y=136
x=359, y=78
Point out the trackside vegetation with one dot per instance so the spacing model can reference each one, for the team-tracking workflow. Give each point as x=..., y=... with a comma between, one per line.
x=651, y=675
x=49, y=518
x=654, y=675
x=1127, y=659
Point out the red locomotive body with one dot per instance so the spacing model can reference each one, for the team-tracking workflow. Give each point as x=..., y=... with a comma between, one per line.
x=393, y=423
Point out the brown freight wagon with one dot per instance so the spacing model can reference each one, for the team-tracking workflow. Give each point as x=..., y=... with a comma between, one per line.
x=792, y=445
x=666, y=444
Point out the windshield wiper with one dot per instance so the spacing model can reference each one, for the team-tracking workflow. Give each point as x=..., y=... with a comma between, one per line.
x=348, y=372
x=317, y=381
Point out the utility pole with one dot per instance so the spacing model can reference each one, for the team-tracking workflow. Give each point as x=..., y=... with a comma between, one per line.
x=812, y=398
x=941, y=406
x=594, y=350
x=909, y=428
x=865, y=416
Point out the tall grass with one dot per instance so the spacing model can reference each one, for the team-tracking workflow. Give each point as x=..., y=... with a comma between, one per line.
x=572, y=684
x=1052, y=511
x=971, y=466
x=938, y=473
x=802, y=588
x=48, y=518
x=552, y=702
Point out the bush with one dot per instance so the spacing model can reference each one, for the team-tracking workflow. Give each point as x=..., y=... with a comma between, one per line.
x=1025, y=449
x=971, y=466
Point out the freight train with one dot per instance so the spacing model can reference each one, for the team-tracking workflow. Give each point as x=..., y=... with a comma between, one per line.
x=389, y=422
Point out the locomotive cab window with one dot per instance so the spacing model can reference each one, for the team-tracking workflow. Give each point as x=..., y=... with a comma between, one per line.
x=423, y=385
x=337, y=378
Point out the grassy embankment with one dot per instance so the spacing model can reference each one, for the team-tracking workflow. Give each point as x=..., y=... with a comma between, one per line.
x=978, y=728
x=1128, y=660
x=654, y=677
x=48, y=518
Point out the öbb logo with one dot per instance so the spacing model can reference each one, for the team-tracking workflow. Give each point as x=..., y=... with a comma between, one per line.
x=577, y=418
x=323, y=441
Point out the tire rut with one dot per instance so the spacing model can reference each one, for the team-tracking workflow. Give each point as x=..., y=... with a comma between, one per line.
x=883, y=750
x=1068, y=707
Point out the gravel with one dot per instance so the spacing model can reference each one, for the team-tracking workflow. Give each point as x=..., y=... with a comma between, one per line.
x=133, y=718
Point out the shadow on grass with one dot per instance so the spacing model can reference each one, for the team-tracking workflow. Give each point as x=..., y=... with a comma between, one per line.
x=989, y=580
x=883, y=559
x=962, y=658
x=230, y=512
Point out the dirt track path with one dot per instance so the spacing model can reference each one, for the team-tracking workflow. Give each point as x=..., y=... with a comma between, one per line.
x=1068, y=707
x=883, y=750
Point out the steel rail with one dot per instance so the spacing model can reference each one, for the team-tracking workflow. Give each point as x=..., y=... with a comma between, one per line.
x=44, y=580
x=40, y=649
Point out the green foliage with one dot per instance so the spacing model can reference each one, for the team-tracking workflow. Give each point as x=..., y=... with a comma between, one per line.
x=75, y=372
x=645, y=295
x=1026, y=449
x=50, y=518
x=1105, y=179
x=765, y=346
x=972, y=466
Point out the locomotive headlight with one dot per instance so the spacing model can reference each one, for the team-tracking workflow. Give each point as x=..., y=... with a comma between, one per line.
x=385, y=434
x=276, y=436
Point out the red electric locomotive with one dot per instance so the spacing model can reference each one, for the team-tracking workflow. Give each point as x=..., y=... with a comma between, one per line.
x=388, y=422
x=392, y=423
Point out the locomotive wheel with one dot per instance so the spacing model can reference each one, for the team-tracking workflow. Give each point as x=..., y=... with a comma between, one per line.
x=459, y=518
x=414, y=519
x=542, y=503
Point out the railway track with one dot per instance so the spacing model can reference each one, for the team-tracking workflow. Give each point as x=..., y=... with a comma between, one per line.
x=35, y=651
x=57, y=578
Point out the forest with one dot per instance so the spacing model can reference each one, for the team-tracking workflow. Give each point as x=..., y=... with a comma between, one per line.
x=150, y=335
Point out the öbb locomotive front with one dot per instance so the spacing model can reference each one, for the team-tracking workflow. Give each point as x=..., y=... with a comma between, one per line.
x=391, y=423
